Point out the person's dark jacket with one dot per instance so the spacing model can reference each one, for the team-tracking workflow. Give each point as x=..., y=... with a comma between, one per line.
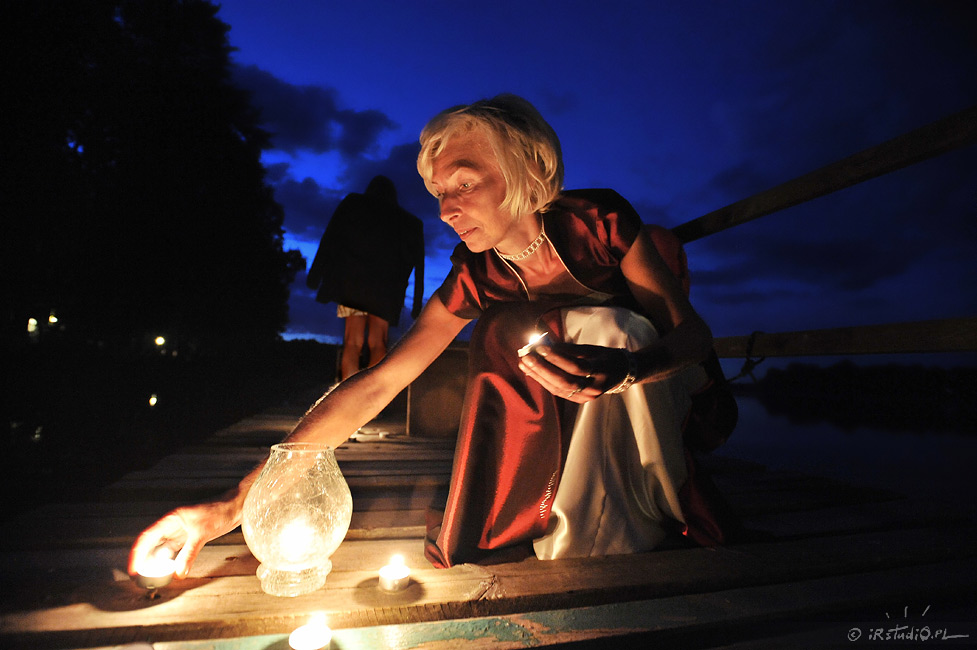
x=367, y=252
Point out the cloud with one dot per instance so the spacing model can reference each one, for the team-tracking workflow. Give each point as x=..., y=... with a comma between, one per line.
x=309, y=117
x=856, y=75
x=308, y=206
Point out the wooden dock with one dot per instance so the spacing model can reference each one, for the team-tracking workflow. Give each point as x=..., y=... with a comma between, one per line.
x=834, y=561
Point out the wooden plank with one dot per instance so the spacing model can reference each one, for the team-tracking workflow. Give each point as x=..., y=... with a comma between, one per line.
x=67, y=581
x=752, y=493
x=267, y=435
x=759, y=497
x=952, y=132
x=407, y=496
x=673, y=571
x=122, y=530
x=945, y=335
x=241, y=464
x=784, y=516
x=70, y=601
x=213, y=562
x=768, y=616
x=215, y=484
x=349, y=451
x=697, y=620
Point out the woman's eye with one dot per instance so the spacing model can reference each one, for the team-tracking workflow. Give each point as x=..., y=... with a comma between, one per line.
x=465, y=186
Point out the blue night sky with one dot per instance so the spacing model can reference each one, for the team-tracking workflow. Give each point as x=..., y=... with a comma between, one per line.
x=682, y=107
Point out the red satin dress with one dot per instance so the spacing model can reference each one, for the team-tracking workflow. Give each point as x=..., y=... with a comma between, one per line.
x=514, y=435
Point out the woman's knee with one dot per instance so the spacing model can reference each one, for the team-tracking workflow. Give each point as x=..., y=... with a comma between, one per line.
x=614, y=327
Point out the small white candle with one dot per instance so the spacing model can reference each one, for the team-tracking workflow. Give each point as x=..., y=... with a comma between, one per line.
x=395, y=576
x=535, y=339
x=155, y=572
x=312, y=636
x=297, y=540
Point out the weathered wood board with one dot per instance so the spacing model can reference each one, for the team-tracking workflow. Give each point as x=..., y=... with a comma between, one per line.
x=829, y=550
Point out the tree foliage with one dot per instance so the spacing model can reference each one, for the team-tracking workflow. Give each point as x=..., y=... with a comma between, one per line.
x=134, y=201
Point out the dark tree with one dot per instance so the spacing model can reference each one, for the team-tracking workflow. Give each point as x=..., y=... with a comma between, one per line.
x=134, y=202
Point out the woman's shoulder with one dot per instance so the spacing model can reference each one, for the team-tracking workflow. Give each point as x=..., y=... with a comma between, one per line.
x=602, y=199
x=603, y=213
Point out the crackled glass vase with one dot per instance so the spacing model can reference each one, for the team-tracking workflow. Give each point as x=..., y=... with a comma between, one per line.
x=295, y=516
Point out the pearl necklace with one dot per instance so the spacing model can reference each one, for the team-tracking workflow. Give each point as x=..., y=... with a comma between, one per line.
x=529, y=250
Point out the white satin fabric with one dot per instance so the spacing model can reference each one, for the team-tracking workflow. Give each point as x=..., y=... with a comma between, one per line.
x=626, y=462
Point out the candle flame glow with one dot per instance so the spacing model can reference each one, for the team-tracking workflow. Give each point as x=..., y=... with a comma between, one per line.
x=395, y=576
x=312, y=636
x=296, y=540
x=534, y=338
x=157, y=567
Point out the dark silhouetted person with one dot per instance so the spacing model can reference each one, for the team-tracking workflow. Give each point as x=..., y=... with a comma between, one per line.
x=363, y=263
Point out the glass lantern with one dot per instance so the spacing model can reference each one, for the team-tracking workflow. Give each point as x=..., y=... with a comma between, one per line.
x=295, y=516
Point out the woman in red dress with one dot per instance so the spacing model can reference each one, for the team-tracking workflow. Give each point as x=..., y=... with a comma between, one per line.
x=573, y=448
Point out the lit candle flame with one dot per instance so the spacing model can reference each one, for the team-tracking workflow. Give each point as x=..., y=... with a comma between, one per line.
x=395, y=576
x=156, y=570
x=313, y=635
x=534, y=338
x=296, y=540
x=157, y=567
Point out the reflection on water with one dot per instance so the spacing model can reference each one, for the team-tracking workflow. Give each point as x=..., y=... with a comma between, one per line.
x=939, y=466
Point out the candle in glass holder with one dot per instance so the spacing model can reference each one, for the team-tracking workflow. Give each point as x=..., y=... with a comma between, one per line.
x=314, y=635
x=395, y=576
x=295, y=516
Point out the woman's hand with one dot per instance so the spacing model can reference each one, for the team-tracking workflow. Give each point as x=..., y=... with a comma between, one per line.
x=579, y=373
x=184, y=531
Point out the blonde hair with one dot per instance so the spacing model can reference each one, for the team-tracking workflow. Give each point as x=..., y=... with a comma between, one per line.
x=525, y=145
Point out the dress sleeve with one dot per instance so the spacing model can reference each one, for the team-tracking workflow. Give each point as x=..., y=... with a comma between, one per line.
x=620, y=220
x=459, y=292
x=603, y=227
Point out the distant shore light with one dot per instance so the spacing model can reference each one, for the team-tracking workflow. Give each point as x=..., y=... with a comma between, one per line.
x=31, y=325
x=52, y=319
x=160, y=341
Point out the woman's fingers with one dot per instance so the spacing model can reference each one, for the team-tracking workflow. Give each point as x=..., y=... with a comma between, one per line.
x=184, y=531
x=169, y=530
x=188, y=554
x=565, y=375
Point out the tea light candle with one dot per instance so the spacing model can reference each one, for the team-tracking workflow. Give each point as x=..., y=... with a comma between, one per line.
x=534, y=340
x=312, y=636
x=297, y=539
x=155, y=572
x=395, y=576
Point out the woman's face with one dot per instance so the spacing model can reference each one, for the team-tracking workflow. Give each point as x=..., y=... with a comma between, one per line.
x=470, y=188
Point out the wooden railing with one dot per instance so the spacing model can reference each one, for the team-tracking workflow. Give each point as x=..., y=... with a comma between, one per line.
x=947, y=335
